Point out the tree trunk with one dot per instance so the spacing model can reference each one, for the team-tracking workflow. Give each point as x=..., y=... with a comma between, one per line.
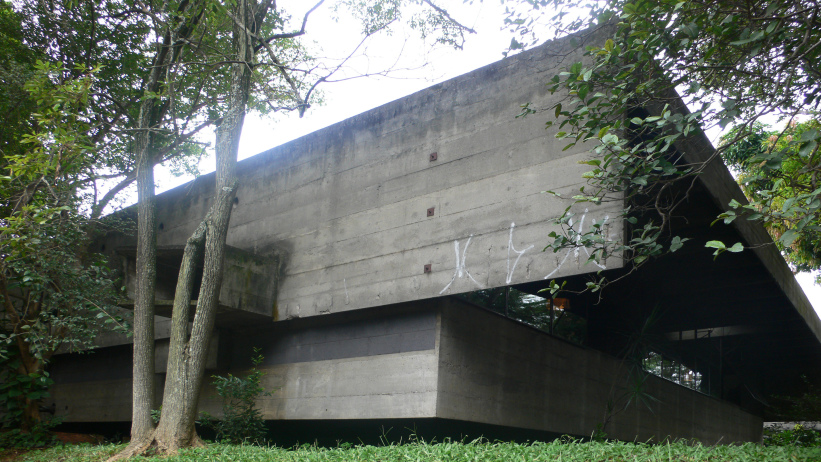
x=142, y=393
x=187, y=355
x=168, y=51
x=31, y=407
x=142, y=426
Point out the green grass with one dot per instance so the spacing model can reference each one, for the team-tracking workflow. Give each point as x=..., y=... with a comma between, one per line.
x=452, y=452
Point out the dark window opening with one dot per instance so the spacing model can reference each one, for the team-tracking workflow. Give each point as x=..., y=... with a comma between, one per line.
x=551, y=315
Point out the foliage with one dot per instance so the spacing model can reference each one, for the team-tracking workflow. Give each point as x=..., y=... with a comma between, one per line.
x=54, y=294
x=565, y=449
x=802, y=406
x=241, y=420
x=33, y=386
x=120, y=39
x=16, y=68
x=733, y=62
x=782, y=192
x=797, y=436
x=39, y=436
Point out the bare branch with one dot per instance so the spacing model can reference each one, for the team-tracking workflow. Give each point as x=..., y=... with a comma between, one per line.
x=301, y=31
x=444, y=13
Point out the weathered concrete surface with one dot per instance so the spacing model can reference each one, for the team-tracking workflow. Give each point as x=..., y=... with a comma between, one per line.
x=345, y=208
x=249, y=281
x=723, y=189
x=480, y=367
x=493, y=370
x=379, y=366
x=385, y=386
x=338, y=223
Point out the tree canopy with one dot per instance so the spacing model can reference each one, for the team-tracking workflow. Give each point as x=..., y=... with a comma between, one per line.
x=139, y=83
x=777, y=189
x=55, y=294
x=734, y=63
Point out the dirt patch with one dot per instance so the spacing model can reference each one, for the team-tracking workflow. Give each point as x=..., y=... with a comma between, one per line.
x=78, y=438
x=9, y=455
x=14, y=454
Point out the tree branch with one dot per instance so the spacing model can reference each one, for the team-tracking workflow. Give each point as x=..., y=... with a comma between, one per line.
x=444, y=13
x=301, y=31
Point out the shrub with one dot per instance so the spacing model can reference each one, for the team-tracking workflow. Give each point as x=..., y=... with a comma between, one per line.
x=241, y=422
x=798, y=436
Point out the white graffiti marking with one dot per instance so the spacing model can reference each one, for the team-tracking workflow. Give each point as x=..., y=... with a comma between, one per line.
x=460, y=270
x=578, y=245
x=519, y=252
x=347, y=299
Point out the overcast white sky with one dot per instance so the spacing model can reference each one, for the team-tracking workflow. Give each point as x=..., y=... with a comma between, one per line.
x=346, y=99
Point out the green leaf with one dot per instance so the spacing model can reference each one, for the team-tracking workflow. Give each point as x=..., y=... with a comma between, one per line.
x=610, y=138
x=677, y=243
x=788, y=237
x=807, y=148
x=737, y=247
x=715, y=245
x=809, y=135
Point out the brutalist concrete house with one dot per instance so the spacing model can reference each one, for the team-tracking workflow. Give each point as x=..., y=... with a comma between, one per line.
x=389, y=269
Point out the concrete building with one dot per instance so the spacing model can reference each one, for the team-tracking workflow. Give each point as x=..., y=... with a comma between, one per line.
x=368, y=259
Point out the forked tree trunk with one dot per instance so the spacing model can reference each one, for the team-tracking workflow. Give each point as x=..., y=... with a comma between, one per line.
x=187, y=354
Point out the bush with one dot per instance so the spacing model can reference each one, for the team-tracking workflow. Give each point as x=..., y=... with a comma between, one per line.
x=40, y=436
x=241, y=422
x=798, y=436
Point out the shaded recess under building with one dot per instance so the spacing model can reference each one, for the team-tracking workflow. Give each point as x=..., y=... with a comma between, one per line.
x=390, y=268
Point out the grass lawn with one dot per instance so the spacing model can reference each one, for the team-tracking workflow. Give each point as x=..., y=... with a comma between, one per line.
x=448, y=452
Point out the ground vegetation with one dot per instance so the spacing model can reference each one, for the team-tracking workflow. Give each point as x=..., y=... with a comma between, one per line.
x=479, y=450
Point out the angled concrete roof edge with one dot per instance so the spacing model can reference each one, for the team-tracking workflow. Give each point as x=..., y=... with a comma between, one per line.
x=558, y=47
x=561, y=47
x=723, y=187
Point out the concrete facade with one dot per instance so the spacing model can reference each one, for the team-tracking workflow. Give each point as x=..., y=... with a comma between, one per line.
x=444, y=360
x=350, y=244
x=495, y=371
x=345, y=208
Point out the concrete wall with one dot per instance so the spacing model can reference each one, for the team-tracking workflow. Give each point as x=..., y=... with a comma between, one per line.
x=493, y=370
x=345, y=208
x=440, y=359
x=380, y=366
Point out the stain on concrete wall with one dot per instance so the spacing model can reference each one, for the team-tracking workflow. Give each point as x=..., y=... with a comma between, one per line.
x=348, y=205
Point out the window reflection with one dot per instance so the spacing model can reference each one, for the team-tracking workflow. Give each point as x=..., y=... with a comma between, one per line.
x=533, y=310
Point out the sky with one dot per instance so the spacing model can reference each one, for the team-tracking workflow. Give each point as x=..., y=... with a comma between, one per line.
x=417, y=65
